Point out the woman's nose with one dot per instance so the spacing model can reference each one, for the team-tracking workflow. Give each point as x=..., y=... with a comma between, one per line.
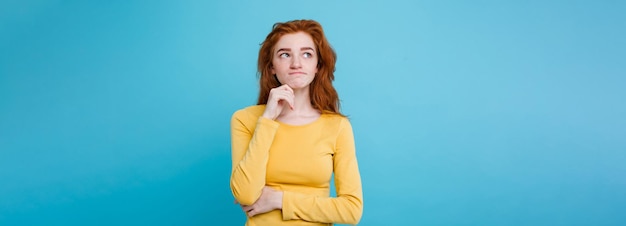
x=295, y=62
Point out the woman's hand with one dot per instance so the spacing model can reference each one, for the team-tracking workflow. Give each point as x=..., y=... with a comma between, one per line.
x=270, y=200
x=280, y=98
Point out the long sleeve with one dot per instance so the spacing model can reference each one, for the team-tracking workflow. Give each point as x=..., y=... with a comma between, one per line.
x=250, y=144
x=347, y=207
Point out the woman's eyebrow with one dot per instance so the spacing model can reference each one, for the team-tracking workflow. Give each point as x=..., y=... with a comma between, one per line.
x=301, y=49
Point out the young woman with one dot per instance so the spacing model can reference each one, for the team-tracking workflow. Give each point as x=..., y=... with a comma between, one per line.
x=286, y=148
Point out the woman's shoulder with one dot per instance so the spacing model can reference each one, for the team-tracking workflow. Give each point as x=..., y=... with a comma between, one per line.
x=335, y=119
x=253, y=111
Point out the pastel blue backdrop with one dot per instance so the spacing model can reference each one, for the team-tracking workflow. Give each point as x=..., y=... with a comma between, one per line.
x=464, y=112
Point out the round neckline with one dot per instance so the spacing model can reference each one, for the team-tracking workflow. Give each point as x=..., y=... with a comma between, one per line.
x=303, y=125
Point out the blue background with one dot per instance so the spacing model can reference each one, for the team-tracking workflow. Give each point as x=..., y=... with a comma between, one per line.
x=465, y=112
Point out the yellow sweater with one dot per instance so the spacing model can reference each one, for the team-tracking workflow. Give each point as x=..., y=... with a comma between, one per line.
x=298, y=160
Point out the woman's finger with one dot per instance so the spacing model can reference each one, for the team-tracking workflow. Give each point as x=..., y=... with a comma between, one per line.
x=288, y=100
x=289, y=97
x=288, y=88
x=281, y=89
x=281, y=92
x=277, y=95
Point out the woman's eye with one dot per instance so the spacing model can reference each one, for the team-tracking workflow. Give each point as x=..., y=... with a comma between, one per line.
x=308, y=55
x=284, y=55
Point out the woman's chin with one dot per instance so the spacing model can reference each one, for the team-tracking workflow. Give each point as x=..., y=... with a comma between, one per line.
x=297, y=85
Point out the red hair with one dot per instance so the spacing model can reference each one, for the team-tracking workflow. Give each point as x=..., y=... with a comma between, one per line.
x=323, y=95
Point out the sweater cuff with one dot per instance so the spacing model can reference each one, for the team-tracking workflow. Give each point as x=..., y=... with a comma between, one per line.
x=267, y=122
x=288, y=211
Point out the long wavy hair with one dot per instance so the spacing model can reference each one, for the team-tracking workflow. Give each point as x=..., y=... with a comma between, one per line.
x=323, y=95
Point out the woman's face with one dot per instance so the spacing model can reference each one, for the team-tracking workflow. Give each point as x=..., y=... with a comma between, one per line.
x=294, y=60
